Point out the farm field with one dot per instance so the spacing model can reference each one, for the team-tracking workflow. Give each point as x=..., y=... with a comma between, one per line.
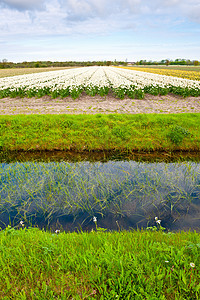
x=96, y=81
x=22, y=71
x=170, y=67
x=192, y=73
x=98, y=90
x=99, y=150
x=102, y=110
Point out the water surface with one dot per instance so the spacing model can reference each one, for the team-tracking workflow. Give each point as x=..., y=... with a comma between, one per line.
x=122, y=194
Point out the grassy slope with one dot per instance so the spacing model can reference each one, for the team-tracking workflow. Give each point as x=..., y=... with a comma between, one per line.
x=99, y=265
x=145, y=132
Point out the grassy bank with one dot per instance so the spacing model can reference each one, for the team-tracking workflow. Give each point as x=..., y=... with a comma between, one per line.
x=147, y=132
x=99, y=265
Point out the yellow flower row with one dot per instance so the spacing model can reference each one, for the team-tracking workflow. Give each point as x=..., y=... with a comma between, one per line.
x=175, y=73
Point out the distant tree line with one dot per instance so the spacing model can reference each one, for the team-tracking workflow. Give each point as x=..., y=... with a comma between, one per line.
x=5, y=64
x=178, y=61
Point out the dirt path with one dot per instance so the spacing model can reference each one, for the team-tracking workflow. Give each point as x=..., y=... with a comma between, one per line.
x=87, y=104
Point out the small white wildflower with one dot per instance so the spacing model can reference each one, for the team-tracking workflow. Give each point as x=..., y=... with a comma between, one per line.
x=156, y=218
x=57, y=231
x=158, y=221
x=21, y=223
x=192, y=265
x=167, y=261
x=94, y=219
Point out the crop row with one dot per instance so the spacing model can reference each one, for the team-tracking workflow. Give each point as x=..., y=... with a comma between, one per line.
x=96, y=81
x=192, y=75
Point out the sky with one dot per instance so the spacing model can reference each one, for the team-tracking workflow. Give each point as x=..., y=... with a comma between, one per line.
x=92, y=30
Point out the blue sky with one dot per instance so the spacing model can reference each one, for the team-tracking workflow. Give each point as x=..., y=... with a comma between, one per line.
x=63, y=30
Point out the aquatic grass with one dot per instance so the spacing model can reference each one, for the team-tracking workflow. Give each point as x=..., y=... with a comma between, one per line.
x=129, y=192
x=147, y=132
x=142, y=264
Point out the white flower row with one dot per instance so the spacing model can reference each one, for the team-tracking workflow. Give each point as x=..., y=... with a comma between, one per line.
x=93, y=76
x=143, y=79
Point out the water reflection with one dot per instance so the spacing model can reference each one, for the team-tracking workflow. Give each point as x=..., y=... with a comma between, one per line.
x=122, y=194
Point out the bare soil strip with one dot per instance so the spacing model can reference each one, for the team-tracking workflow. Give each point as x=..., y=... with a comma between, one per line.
x=91, y=105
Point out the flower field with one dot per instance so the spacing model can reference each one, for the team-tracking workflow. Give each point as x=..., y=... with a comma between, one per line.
x=21, y=71
x=192, y=75
x=96, y=81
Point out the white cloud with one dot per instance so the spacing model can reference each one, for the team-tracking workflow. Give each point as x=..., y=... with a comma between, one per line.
x=192, y=10
x=187, y=8
x=23, y=4
x=78, y=17
x=138, y=19
x=81, y=10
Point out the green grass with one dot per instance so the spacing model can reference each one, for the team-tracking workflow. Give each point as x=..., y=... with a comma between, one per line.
x=99, y=265
x=147, y=132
